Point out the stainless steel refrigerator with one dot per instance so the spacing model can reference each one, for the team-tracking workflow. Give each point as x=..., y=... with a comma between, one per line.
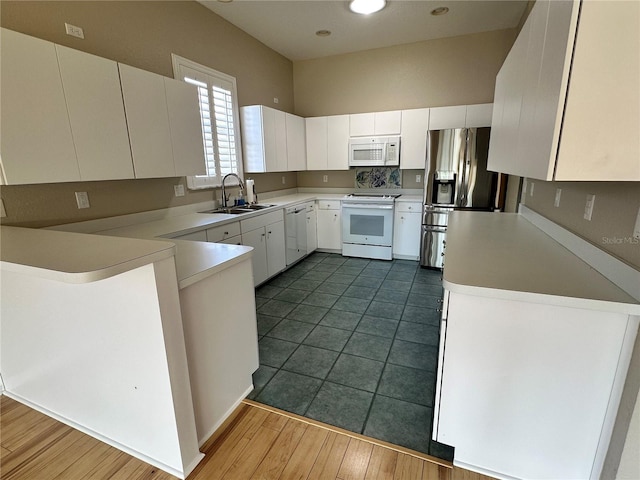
x=456, y=178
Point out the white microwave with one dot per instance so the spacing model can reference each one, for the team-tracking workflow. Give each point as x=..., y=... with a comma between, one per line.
x=374, y=151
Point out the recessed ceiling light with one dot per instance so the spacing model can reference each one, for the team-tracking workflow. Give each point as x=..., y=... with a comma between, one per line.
x=439, y=11
x=323, y=33
x=366, y=7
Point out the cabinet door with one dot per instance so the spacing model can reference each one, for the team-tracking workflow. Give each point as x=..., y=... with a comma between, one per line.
x=276, y=252
x=447, y=117
x=312, y=230
x=36, y=144
x=258, y=240
x=387, y=123
x=361, y=124
x=316, y=143
x=406, y=234
x=145, y=104
x=296, y=149
x=258, y=139
x=280, y=131
x=330, y=229
x=413, y=147
x=507, y=104
x=479, y=115
x=338, y=142
x=96, y=113
x=605, y=149
x=186, y=127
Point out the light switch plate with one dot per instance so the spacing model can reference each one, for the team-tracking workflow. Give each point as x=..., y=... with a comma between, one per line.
x=588, y=207
x=82, y=199
x=636, y=229
x=73, y=30
x=556, y=202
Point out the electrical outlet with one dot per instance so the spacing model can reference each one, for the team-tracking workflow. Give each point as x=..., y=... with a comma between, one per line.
x=556, y=202
x=325, y=178
x=74, y=31
x=588, y=207
x=636, y=229
x=524, y=187
x=418, y=178
x=82, y=199
x=284, y=179
x=3, y=212
x=531, y=189
x=178, y=190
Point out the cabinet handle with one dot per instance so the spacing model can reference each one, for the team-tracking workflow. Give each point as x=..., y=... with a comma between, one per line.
x=401, y=218
x=269, y=232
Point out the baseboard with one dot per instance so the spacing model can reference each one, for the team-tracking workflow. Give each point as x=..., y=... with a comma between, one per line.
x=207, y=436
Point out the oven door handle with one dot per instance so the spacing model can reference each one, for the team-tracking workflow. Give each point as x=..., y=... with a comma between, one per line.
x=368, y=207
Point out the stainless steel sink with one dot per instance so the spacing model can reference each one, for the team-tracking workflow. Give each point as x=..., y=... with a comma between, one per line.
x=238, y=210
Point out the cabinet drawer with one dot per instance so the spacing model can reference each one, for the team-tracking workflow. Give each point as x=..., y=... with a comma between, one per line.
x=408, y=207
x=199, y=236
x=261, y=221
x=329, y=204
x=217, y=234
x=237, y=240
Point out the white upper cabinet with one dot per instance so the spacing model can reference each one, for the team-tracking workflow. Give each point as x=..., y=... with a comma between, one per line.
x=149, y=133
x=552, y=127
x=413, y=147
x=185, y=125
x=327, y=142
x=296, y=148
x=479, y=115
x=338, y=141
x=447, y=117
x=36, y=143
x=96, y=113
x=376, y=123
x=273, y=141
x=316, y=143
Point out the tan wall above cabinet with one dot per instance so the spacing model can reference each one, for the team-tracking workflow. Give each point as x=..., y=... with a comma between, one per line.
x=550, y=125
x=63, y=118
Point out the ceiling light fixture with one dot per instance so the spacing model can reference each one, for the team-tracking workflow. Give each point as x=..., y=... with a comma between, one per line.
x=366, y=7
x=439, y=11
x=323, y=33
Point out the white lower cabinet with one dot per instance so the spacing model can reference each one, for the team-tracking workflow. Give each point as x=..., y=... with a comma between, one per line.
x=312, y=227
x=266, y=234
x=329, y=225
x=407, y=223
x=237, y=240
x=530, y=390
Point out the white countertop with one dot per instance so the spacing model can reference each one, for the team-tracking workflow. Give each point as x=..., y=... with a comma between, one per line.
x=79, y=257
x=504, y=255
x=75, y=257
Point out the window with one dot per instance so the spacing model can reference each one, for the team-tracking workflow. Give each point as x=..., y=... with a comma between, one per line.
x=219, y=115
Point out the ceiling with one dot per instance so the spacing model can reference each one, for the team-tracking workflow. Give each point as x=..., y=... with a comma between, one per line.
x=289, y=26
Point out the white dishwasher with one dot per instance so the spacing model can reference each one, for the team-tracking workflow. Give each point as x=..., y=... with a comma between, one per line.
x=296, y=224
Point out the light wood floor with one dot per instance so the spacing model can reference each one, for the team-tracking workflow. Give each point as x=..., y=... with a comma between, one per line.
x=257, y=443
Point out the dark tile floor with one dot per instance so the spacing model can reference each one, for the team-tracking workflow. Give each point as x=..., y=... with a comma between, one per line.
x=353, y=343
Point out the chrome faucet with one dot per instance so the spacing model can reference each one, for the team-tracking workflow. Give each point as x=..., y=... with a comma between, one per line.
x=224, y=193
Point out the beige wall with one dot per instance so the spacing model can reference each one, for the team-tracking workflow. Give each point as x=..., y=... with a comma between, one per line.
x=142, y=34
x=614, y=214
x=450, y=71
